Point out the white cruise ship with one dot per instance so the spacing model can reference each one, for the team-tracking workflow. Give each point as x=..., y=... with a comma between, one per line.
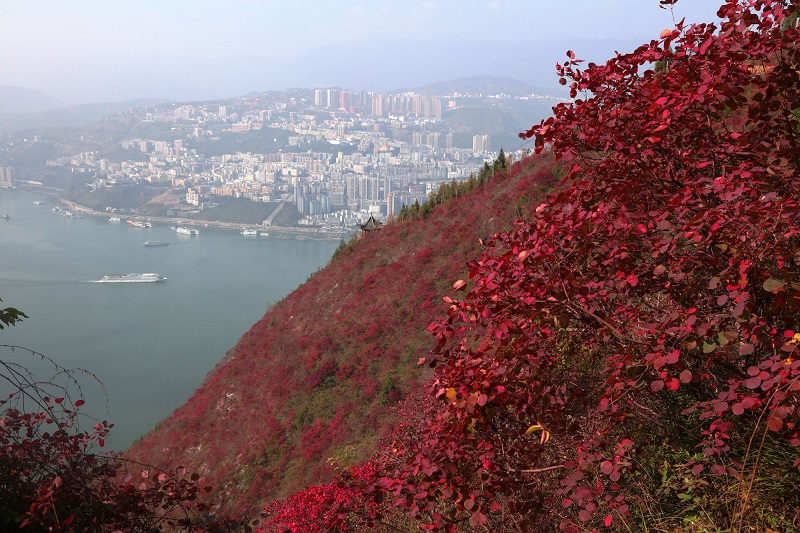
x=132, y=278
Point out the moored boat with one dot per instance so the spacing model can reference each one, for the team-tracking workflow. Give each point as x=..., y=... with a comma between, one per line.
x=187, y=231
x=139, y=224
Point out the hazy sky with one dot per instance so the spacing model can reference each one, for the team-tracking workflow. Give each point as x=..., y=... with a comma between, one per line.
x=90, y=50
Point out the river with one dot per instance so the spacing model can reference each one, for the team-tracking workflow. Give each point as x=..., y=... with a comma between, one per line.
x=150, y=345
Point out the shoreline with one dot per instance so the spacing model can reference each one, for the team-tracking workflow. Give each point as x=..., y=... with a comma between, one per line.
x=315, y=232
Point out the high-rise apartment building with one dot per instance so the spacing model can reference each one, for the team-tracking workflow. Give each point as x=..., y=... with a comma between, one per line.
x=378, y=106
x=6, y=177
x=346, y=100
x=480, y=143
x=333, y=97
x=436, y=108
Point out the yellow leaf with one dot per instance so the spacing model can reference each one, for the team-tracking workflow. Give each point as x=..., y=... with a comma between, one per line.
x=544, y=437
x=531, y=429
x=451, y=393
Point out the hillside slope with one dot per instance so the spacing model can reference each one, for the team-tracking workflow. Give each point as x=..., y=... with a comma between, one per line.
x=628, y=357
x=318, y=375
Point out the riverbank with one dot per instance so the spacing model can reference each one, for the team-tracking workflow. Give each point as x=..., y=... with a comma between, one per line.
x=297, y=232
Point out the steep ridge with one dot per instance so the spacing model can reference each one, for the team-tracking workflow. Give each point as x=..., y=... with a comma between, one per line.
x=317, y=377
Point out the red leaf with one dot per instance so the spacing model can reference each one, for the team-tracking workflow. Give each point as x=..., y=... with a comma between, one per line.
x=774, y=424
x=477, y=519
x=752, y=383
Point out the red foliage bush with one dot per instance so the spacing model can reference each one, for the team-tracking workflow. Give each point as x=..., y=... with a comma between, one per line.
x=650, y=308
x=53, y=476
x=337, y=506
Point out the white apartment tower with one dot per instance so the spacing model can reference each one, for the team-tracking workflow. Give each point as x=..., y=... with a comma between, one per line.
x=6, y=177
x=480, y=143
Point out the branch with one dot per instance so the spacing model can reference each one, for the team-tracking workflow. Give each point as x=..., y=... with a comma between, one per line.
x=537, y=470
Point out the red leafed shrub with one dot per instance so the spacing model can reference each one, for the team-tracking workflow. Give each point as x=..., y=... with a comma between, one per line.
x=54, y=477
x=635, y=342
x=339, y=506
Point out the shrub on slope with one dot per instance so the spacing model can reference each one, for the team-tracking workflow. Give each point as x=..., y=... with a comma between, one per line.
x=317, y=376
x=627, y=360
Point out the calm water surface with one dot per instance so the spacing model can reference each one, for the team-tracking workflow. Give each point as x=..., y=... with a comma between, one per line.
x=149, y=344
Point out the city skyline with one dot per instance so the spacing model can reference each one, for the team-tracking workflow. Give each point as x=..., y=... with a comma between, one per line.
x=104, y=51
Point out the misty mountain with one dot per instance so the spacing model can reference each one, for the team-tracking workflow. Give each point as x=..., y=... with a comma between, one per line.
x=373, y=65
x=485, y=84
x=71, y=116
x=383, y=66
x=15, y=99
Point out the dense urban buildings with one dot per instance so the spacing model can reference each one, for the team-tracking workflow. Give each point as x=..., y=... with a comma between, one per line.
x=335, y=154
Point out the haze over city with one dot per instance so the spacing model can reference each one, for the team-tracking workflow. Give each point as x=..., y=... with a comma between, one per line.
x=106, y=51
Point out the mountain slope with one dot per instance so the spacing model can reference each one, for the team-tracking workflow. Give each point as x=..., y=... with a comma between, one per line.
x=15, y=99
x=484, y=85
x=318, y=375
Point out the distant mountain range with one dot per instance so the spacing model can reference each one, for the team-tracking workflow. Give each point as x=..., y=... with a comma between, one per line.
x=22, y=109
x=482, y=85
x=15, y=99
